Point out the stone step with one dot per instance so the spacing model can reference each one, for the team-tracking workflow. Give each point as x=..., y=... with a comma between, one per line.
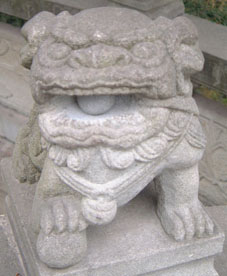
x=219, y=213
x=10, y=258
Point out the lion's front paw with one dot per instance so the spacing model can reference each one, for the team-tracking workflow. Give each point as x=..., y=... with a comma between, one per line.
x=60, y=214
x=62, y=240
x=185, y=221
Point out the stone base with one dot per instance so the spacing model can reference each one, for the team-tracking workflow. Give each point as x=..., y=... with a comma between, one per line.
x=133, y=244
x=220, y=215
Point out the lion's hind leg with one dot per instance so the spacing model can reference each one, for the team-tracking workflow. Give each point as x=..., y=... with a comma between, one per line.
x=179, y=208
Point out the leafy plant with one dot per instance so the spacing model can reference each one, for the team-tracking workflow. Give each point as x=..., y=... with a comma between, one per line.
x=214, y=10
x=9, y=19
x=211, y=94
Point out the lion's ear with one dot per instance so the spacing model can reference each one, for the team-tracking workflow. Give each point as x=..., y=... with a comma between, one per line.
x=35, y=31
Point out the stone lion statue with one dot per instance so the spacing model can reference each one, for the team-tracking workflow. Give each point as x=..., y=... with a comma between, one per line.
x=113, y=112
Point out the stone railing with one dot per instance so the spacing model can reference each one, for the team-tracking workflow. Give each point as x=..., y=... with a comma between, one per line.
x=153, y=8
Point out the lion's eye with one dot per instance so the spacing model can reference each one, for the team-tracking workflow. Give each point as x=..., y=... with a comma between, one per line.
x=58, y=51
x=149, y=53
x=144, y=49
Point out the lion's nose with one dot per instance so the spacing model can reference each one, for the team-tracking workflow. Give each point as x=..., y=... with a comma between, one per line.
x=101, y=56
x=96, y=104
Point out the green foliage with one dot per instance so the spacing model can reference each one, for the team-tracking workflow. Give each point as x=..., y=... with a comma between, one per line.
x=214, y=10
x=211, y=94
x=9, y=19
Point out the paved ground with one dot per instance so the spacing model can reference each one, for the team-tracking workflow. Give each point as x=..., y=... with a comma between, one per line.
x=220, y=215
x=10, y=262
x=6, y=149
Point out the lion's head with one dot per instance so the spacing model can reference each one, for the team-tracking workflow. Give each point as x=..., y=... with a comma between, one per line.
x=95, y=73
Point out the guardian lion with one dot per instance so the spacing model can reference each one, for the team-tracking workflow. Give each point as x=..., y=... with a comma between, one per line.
x=113, y=112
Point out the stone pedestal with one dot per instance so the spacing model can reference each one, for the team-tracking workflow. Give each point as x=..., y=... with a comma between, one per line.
x=133, y=244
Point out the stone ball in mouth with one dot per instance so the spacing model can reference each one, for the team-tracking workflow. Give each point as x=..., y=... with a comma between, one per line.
x=96, y=104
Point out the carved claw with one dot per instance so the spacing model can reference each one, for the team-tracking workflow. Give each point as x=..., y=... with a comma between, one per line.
x=62, y=239
x=185, y=221
x=60, y=214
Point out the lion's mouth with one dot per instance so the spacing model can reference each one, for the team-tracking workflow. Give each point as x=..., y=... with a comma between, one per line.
x=95, y=110
x=107, y=120
x=98, y=107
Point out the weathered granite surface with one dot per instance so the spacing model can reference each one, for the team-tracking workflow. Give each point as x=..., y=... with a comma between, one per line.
x=153, y=8
x=113, y=111
x=14, y=108
x=133, y=244
x=91, y=205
